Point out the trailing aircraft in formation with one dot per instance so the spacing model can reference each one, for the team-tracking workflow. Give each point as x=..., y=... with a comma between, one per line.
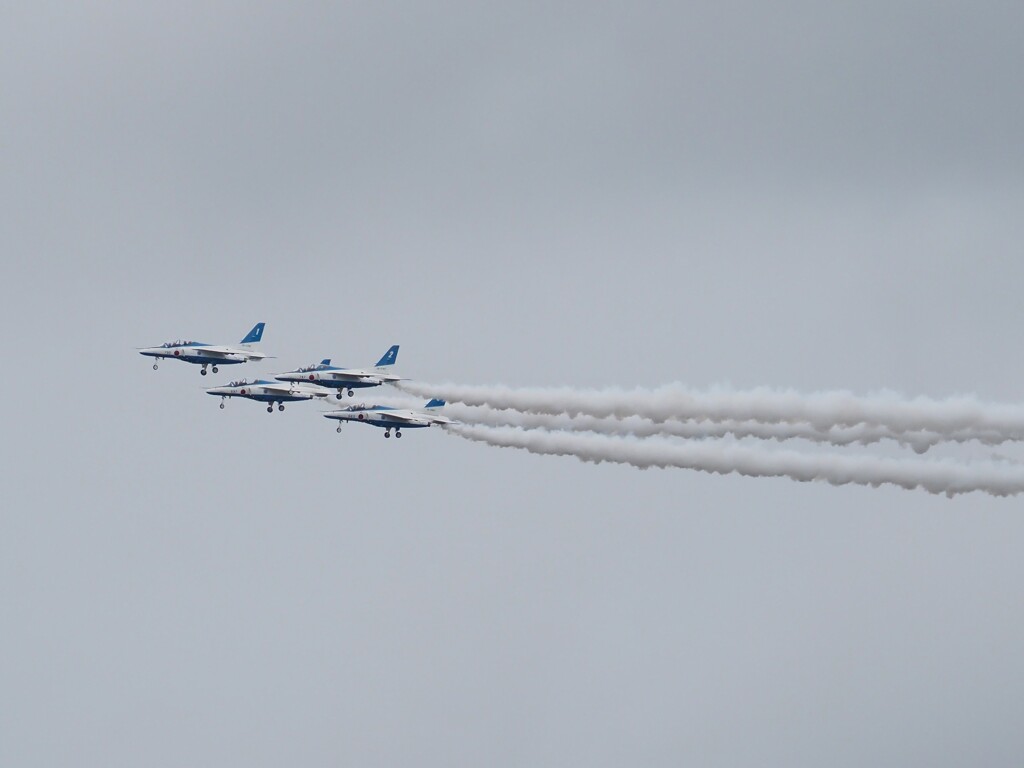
x=389, y=418
x=198, y=353
x=269, y=392
x=327, y=375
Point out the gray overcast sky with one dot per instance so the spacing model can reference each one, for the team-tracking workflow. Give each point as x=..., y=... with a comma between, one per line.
x=792, y=194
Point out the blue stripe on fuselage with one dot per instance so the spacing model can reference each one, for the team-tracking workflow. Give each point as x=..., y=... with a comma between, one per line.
x=346, y=385
x=272, y=398
x=395, y=425
x=200, y=360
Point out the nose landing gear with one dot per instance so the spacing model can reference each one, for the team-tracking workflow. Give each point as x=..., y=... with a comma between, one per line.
x=155, y=366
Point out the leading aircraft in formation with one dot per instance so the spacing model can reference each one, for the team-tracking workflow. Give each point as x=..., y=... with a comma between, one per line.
x=389, y=418
x=198, y=353
x=327, y=375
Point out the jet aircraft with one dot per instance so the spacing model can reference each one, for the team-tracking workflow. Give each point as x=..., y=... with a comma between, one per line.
x=392, y=418
x=269, y=392
x=327, y=375
x=202, y=354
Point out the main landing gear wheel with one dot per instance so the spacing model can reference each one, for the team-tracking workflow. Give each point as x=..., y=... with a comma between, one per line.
x=203, y=371
x=155, y=366
x=222, y=406
x=386, y=433
x=215, y=369
x=340, y=395
x=270, y=409
x=351, y=392
x=338, y=430
x=397, y=433
x=280, y=407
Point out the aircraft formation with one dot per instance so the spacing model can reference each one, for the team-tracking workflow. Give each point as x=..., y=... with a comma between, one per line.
x=719, y=431
x=312, y=382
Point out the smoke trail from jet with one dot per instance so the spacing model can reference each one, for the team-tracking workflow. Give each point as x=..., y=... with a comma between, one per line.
x=862, y=434
x=962, y=418
x=939, y=477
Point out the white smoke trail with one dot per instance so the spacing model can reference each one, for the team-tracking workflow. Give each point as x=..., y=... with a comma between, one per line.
x=932, y=476
x=862, y=434
x=958, y=418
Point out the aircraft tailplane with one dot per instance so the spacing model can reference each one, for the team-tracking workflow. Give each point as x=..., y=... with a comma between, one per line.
x=255, y=334
x=389, y=358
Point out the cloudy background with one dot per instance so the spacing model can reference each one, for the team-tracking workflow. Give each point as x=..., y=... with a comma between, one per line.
x=790, y=194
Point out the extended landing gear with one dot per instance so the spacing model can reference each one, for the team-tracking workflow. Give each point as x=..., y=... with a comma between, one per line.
x=351, y=392
x=155, y=366
x=270, y=408
x=280, y=406
x=387, y=433
x=215, y=369
x=397, y=433
x=203, y=370
x=338, y=430
x=222, y=405
x=340, y=395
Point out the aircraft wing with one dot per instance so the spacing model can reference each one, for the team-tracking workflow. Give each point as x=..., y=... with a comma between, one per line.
x=219, y=351
x=403, y=417
x=409, y=417
x=290, y=388
x=358, y=376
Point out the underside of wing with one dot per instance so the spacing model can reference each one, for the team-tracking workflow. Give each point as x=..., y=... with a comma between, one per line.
x=217, y=351
x=404, y=418
x=284, y=388
x=353, y=376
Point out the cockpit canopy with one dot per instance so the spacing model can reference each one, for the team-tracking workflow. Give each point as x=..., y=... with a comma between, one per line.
x=308, y=368
x=178, y=343
x=241, y=383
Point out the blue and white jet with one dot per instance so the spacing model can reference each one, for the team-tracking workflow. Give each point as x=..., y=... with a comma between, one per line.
x=342, y=379
x=269, y=392
x=389, y=418
x=198, y=353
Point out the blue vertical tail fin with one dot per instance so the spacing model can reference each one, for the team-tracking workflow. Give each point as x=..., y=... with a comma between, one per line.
x=435, y=403
x=254, y=335
x=389, y=357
